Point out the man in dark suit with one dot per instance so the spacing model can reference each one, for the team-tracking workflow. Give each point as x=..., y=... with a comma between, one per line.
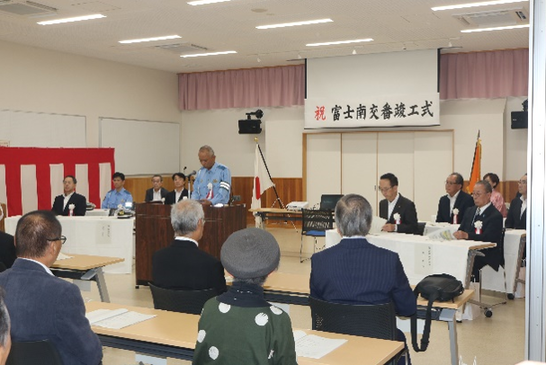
x=182, y=265
x=483, y=222
x=7, y=251
x=517, y=214
x=456, y=201
x=399, y=212
x=179, y=191
x=69, y=203
x=42, y=306
x=356, y=272
x=157, y=193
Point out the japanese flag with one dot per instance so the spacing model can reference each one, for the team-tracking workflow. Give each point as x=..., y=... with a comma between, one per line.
x=262, y=182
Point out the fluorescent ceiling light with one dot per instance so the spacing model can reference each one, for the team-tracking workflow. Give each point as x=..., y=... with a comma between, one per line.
x=205, y=2
x=164, y=38
x=70, y=20
x=494, y=28
x=207, y=54
x=307, y=22
x=339, y=42
x=473, y=5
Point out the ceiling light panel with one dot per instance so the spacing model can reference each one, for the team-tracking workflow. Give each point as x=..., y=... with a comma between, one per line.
x=153, y=39
x=74, y=19
x=339, y=42
x=295, y=24
x=207, y=54
x=205, y=2
x=476, y=30
x=478, y=4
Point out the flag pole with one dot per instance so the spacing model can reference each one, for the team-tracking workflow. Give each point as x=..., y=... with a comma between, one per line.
x=270, y=178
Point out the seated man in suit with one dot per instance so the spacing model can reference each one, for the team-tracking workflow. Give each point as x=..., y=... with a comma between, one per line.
x=7, y=251
x=42, y=306
x=452, y=206
x=357, y=272
x=5, y=338
x=69, y=203
x=517, y=214
x=399, y=212
x=483, y=222
x=118, y=195
x=179, y=191
x=182, y=265
x=157, y=193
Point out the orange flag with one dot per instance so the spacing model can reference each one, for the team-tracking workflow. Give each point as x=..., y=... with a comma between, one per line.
x=475, y=172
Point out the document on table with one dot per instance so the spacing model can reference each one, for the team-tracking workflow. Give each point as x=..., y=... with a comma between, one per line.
x=313, y=346
x=116, y=318
x=441, y=235
x=62, y=256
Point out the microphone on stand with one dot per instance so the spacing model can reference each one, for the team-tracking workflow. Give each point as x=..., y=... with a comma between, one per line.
x=192, y=173
x=184, y=170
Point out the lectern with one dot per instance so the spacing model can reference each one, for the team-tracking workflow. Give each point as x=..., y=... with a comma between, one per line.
x=154, y=231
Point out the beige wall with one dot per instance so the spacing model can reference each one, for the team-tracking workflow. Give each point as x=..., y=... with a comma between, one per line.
x=40, y=80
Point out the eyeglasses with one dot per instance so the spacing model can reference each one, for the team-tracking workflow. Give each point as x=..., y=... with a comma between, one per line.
x=523, y=182
x=384, y=190
x=62, y=239
x=451, y=183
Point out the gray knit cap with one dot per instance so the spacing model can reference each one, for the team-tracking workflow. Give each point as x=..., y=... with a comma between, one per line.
x=250, y=253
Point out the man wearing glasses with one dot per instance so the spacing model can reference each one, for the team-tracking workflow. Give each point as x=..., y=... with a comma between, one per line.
x=399, y=212
x=483, y=222
x=452, y=206
x=42, y=306
x=517, y=214
x=182, y=265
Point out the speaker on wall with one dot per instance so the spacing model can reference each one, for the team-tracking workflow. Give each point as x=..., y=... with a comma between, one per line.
x=519, y=120
x=250, y=126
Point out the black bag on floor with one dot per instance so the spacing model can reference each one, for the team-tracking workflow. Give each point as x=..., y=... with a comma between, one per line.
x=440, y=287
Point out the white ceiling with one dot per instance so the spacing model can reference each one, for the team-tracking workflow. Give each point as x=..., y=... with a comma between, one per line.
x=394, y=25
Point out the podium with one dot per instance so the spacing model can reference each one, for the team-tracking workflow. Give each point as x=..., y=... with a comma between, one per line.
x=154, y=231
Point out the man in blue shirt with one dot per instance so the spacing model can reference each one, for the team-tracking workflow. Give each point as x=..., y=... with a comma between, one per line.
x=118, y=195
x=213, y=181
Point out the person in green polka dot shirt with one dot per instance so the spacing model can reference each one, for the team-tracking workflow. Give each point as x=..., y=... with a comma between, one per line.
x=239, y=326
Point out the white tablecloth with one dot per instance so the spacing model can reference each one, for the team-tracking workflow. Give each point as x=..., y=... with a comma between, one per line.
x=494, y=280
x=420, y=256
x=100, y=236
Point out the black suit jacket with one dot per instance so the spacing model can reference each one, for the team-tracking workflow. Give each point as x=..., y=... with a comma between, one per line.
x=513, y=219
x=491, y=231
x=407, y=211
x=171, y=196
x=77, y=199
x=7, y=250
x=182, y=265
x=463, y=202
x=150, y=194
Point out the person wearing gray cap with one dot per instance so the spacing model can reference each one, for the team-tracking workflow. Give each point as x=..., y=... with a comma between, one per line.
x=240, y=326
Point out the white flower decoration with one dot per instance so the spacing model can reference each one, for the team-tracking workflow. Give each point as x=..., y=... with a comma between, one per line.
x=396, y=217
x=261, y=319
x=120, y=206
x=209, y=186
x=478, y=224
x=71, y=206
x=455, y=211
x=163, y=200
x=201, y=336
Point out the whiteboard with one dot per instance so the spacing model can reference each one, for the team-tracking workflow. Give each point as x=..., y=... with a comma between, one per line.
x=32, y=129
x=142, y=147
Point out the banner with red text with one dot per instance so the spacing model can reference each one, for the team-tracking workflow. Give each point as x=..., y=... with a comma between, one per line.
x=373, y=111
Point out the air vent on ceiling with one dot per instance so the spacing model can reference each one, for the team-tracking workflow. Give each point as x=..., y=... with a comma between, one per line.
x=494, y=18
x=181, y=48
x=26, y=8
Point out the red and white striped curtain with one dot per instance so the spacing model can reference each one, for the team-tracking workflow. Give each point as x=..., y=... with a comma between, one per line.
x=30, y=178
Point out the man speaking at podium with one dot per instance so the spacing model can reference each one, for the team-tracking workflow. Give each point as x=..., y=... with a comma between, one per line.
x=213, y=181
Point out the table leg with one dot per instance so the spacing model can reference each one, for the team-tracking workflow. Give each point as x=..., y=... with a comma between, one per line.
x=101, y=283
x=448, y=315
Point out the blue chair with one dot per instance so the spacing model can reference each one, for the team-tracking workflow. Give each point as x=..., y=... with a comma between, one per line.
x=314, y=224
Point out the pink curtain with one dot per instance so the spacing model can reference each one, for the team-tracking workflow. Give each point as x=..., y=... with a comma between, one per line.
x=493, y=74
x=263, y=87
